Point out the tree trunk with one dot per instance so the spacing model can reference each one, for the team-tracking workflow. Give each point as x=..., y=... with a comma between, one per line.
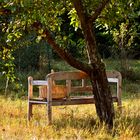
x=97, y=74
x=102, y=96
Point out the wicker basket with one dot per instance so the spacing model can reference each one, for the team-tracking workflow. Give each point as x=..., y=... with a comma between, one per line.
x=58, y=91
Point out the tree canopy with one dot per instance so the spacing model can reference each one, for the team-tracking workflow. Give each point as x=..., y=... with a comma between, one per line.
x=23, y=17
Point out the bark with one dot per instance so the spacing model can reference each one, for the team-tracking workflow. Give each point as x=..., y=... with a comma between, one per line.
x=99, y=9
x=102, y=96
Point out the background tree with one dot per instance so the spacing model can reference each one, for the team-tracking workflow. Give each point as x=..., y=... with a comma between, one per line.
x=123, y=23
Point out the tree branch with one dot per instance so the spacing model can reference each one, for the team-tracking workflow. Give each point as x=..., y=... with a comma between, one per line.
x=65, y=55
x=80, y=12
x=98, y=10
x=88, y=32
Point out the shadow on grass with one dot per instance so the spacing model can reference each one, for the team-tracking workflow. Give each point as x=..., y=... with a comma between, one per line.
x=76, y=122
x=122, y=124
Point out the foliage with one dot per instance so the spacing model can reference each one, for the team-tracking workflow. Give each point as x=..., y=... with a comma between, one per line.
x=6, y=58
x=27, y=58
x=6, y=64
x=104, y=40
x=74, y=18
x=122, y=18
x=21, y=18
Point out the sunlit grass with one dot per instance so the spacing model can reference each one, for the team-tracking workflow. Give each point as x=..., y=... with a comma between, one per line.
x=69, y=122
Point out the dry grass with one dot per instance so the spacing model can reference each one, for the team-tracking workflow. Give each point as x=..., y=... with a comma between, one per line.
x=69, y=122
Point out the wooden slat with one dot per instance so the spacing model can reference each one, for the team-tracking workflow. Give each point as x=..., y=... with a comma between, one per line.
x=67, y=75
x=78, y=75
x=40, y=82
x=68, y=85
x=81, y=89
x=84, y=82
x=30, y=87
x=113, y=74
x=113, y=80
x=38, y=102
x=73, y=101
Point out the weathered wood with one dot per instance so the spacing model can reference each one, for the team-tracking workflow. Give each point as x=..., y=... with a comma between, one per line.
x=67, y=75
x=119, y=91
x=84, y=82
x=112, y=80
x=68, y=85
x=49, y=100
x=76, y=100
x=81, y=89
x=30, y=95
x=39, y=82
x=30, y=87
x=113, y=77
x=29, y=115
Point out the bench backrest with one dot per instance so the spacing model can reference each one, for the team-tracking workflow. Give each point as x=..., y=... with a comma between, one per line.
x=69, y=77
x=113, y=77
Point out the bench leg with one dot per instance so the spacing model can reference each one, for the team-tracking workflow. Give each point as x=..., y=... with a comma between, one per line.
x=29, y=114
x=49, y=113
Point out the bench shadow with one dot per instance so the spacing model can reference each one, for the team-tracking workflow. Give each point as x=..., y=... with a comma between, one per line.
x=79, y=123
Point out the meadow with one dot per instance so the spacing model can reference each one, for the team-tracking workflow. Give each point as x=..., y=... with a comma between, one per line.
x=69, y=122
x=78, y=122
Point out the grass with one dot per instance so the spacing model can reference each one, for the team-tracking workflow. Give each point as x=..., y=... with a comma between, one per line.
x=69, y=122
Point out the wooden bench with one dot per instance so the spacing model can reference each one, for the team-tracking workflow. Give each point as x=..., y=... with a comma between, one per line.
x=73, y=94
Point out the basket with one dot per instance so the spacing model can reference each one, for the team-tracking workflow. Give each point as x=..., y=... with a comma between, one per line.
x=58, y=91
